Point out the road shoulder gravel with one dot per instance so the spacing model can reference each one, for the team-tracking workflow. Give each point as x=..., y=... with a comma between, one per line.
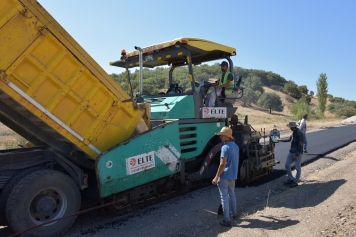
x=323, y=205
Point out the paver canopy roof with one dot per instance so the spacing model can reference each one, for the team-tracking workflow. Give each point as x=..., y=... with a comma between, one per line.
x=201, y=50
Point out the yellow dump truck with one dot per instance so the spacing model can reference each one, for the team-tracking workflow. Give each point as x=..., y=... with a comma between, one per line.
x=46, y=76
x=89, y=139
x=56, y=96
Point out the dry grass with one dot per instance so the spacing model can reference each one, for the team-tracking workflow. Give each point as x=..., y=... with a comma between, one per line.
x=9, y=139
x=262, y=119
x=5, y=131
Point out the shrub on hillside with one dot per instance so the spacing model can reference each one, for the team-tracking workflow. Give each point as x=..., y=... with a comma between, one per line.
x=299, y=108
x=342, y=107
x=307, y=98
x=336, y=100
x=254, y=83
x=270, y=101
x=303, y=89
x=249, y=97
x=346, y=112
x=333, y=107
x=317, y=115
x=291, y=89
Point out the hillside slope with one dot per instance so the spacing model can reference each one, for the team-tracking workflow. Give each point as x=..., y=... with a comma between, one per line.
x=261, y=118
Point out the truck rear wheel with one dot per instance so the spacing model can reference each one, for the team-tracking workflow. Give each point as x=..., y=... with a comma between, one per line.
x=42, y=196
x=10, y=185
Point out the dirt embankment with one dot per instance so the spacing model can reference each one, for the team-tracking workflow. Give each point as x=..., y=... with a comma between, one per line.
x=323, y=205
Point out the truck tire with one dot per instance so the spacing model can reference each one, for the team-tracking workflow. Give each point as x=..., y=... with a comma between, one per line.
x=42, y=196
x=9, y=186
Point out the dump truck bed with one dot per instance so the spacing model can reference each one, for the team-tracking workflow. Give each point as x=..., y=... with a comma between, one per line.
x=51, y=91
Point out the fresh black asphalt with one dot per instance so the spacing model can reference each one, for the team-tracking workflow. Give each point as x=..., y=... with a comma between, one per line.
x=320, y=143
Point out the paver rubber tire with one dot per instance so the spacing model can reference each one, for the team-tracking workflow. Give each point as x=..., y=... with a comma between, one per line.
x=42, y=196
x=10, y=185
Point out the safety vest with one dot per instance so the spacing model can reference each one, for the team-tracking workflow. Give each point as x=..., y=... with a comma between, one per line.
x=225, y=79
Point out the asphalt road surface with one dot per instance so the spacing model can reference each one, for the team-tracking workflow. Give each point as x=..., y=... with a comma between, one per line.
x=320, y=142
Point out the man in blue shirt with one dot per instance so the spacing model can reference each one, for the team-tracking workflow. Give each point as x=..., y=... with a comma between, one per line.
x=295, y=154
x=227, y=174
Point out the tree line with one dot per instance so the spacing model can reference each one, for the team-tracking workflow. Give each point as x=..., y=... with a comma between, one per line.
x=156, y=80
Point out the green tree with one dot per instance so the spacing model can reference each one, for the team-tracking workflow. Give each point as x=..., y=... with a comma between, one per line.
x=307, y=98
x=254, y=83
x=157, y=79
x=249, y=97
x=270, y=101
x=268, y=78
x=275, y=79
x=303, y=89
x=299, y=108
x=311, y=93
x=238, y=71
x=291, y=89
x=322, y=92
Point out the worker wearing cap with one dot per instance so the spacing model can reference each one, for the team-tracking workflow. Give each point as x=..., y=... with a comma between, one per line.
x=227, y=174
x=295, y=154
x=225, y=80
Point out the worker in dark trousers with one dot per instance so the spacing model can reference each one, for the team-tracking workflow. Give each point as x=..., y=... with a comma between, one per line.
x=295, y=154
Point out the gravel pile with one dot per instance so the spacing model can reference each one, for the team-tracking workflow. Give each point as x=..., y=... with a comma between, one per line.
x=349, y=120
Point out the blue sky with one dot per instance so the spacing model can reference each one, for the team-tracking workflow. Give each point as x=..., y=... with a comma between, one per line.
x=295, y=39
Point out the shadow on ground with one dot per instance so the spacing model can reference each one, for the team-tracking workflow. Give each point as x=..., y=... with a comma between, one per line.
x=319, y=191
x=271, y=223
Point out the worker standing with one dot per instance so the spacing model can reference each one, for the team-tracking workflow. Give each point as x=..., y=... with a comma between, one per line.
x=303, y=128
x=295, y=154
x=227, y=174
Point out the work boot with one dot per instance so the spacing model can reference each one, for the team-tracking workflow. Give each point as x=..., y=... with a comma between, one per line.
x=226, y=223
x=294, y=184
x=288, y=182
